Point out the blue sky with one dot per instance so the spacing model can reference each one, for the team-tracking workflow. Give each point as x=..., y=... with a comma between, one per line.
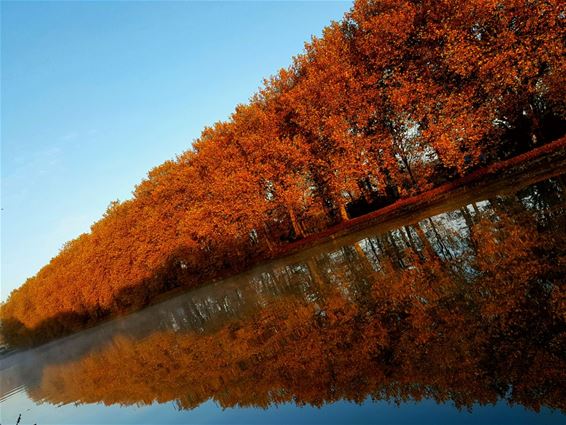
x=94, y=94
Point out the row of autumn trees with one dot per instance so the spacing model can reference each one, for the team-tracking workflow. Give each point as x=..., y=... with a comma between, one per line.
x=398, y=96
x=466, y=308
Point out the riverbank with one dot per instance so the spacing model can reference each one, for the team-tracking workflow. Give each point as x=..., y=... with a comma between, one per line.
x=536, y=165
x=546, y=161
x=539, y=164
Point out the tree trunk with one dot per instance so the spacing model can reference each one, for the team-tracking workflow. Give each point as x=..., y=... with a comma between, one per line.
x=476, y=209
x=314, y=273
x=294, y=222
x=366, y=263
x=428, y=249
x=343, y=212
x=443, y=247
x=267, y=239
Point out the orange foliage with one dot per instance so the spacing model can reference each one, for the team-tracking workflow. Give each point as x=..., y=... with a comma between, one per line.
x=398, y=97
x=458, y=308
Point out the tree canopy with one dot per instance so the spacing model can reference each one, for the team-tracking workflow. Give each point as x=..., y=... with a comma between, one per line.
x=397, y=97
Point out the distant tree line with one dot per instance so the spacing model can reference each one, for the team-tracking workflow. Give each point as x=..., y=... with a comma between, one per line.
x=396, y=98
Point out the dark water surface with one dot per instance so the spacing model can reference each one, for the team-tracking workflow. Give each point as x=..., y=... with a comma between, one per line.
x=454, y=318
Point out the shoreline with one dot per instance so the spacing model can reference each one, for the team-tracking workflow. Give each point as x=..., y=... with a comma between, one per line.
x=528, y=168
x=516, y=165
x=552, y=154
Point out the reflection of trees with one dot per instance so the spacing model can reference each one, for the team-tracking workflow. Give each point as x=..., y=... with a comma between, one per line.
x=395, y=99
x=469, y=311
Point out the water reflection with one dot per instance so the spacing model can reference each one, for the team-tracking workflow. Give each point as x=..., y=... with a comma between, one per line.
x=464, y=307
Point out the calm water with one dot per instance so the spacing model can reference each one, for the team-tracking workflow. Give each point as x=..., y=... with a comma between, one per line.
x=458, y=317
